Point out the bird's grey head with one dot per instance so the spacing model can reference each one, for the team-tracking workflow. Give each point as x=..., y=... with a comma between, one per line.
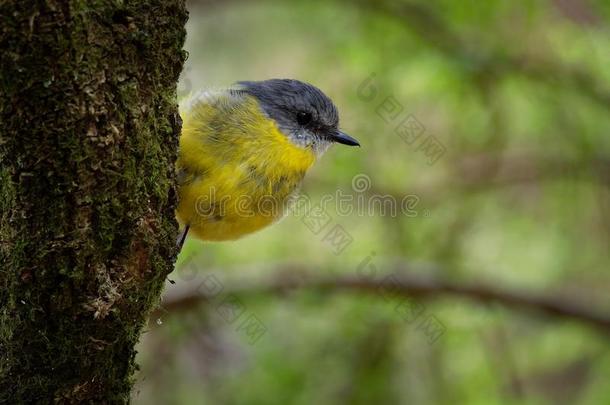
x=305, y=114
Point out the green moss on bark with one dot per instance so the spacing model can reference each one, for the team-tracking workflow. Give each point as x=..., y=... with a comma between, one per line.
x=88, y=139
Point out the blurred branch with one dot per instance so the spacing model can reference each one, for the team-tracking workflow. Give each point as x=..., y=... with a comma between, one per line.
x=480, y=172
x=522, y=168
x=397, y=284
x=578, y=11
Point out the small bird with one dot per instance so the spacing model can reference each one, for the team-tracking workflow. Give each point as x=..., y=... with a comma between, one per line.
x=244, y=152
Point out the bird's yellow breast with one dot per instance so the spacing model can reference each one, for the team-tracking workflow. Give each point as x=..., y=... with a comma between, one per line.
x=236, y=168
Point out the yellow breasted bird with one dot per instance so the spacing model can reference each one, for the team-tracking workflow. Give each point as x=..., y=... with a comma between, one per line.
x=245, y=150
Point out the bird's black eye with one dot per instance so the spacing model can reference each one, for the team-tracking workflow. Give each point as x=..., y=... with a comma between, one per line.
x=303, y=118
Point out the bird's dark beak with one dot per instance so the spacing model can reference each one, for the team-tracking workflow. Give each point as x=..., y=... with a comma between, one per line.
x=345, y=139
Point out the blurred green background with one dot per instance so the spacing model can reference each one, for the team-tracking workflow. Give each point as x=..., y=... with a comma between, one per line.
x=514, y=193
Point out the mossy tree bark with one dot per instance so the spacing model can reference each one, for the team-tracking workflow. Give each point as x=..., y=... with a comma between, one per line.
x=88, y=139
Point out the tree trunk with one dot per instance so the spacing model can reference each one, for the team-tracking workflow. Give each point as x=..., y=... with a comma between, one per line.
x=88, y=138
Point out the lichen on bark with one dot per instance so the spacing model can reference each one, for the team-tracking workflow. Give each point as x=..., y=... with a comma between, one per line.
x=88, y=138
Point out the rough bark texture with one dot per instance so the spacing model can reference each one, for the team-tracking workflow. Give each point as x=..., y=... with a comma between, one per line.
x=88, y=138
